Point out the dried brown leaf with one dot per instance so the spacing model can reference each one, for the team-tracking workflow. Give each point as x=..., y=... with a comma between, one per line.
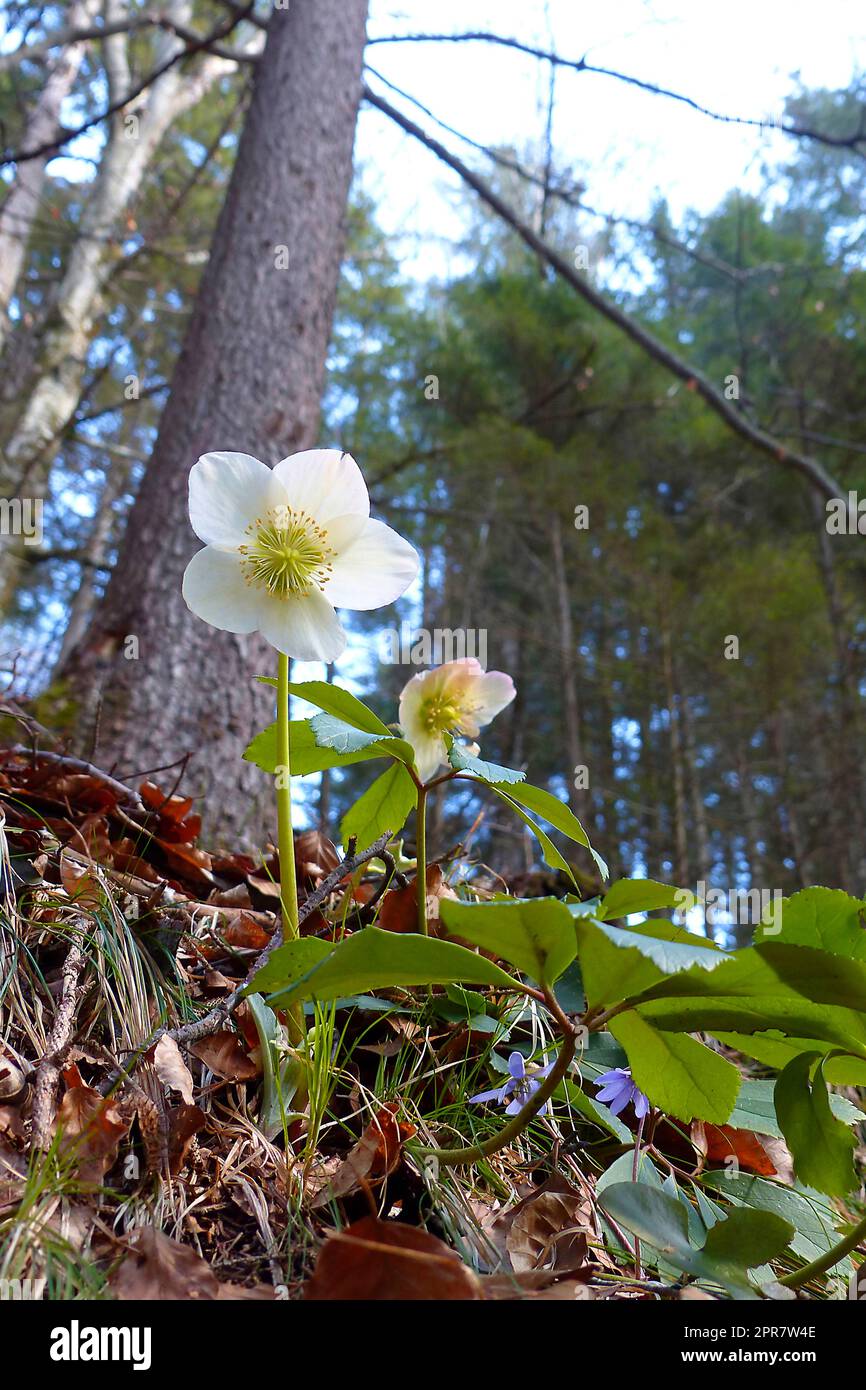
x=384, y=1260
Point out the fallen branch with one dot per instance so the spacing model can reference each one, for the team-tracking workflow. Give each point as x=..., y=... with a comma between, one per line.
x=125, y=794
x=60, y=1039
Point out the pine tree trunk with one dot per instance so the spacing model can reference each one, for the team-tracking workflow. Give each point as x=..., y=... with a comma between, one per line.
x=249, y=378
x=703, y=852
x=681, y=850
x=568, y=667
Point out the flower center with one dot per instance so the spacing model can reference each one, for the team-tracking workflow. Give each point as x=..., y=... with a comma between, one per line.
x=439, y=714
x=287, y=553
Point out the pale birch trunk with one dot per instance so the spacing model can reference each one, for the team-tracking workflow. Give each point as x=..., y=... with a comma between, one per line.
x=21, y=204
x=55, y=387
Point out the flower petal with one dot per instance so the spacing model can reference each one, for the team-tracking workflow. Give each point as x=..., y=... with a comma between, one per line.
x=488, y=697
x=430, y=752
x=641, y=1103
x=215, y=590
x=517, y=1066
x=375, y=569
x=617, y=1103
x=613, y=1092
x=324, y=482
x=305, y=627
x=495, y=1094
x=227, y=492
x=515, y=1107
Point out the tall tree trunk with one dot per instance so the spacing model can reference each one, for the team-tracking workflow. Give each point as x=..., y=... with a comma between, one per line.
x=568, y=665
x=787, y=801
x=681, y=849
x=703, y=852
x=749, y=814
x=21, y=204
x=849, y=815
x=249, y=378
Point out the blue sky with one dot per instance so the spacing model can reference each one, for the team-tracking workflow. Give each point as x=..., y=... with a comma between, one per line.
x=742, y=57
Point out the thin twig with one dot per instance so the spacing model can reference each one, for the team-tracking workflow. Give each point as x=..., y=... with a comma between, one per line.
x=214, y=1020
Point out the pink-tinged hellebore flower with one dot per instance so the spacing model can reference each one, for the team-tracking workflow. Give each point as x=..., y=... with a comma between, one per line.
x=459, y=697
x=286, y=546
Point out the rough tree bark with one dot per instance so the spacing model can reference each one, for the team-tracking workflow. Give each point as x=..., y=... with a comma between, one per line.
x=249, y=378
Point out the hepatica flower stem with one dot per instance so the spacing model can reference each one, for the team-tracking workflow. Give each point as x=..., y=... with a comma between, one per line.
x=473, y=1153
x=824, y=1263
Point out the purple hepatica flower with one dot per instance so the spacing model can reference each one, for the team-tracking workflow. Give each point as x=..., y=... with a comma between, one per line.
x=618, y=1089
x=521, y=1085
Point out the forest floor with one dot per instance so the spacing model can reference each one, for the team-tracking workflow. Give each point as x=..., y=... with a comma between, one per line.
x=147, y=1154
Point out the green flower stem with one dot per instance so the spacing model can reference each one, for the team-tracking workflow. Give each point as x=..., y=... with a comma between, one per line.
x=285, y=836
x=421, y=859
x=473, y=1153
x=825, y=1262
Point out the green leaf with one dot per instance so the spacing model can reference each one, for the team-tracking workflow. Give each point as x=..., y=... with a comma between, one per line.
x=777, y=1051
x=822, y=1146
x=774, y=970
x=305, y=754
x=536, y=934
x=843, y=1028
x=747, y=1238
x=611, y=973
x=333, y=699
x=818, y=917
x=813, y=1219
x=559, y=815
x=462, y=761
x=630, y=895
x=288, y=963
x=551, y=854
x=373, y=959
x=743, y=1240
x=330, y=732
x=679, y=1075
x=619, y=964
x=818, y=975
x=383, y=806
x=671, y=948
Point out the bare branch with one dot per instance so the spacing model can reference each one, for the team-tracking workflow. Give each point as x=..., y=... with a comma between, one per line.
x=852, y=142
x=193, y=44
x=571, y=194
x=659, y=351
x=61, y=38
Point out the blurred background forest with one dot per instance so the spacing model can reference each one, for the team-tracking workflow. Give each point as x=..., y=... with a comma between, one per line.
x=487, y=405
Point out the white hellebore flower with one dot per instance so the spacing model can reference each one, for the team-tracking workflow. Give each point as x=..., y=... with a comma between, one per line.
x=286, y=546
x=458, y=697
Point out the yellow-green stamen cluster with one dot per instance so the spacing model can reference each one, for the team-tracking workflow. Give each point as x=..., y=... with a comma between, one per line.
x=288, y=553
x=439, y=714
